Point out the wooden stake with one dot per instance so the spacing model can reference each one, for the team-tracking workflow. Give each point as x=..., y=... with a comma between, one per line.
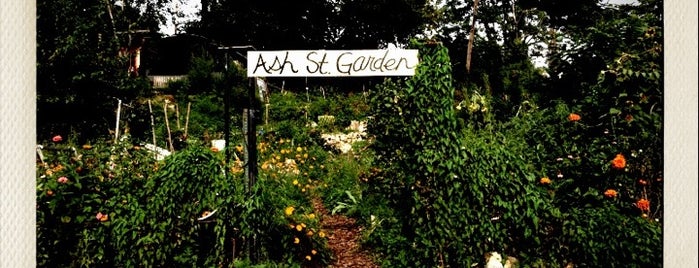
x=116, y=130
x=152, y=122
x=177, y=115
x=186, y=120
x=167, y=125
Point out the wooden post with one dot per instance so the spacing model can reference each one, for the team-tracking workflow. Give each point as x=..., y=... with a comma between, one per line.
x=118, y=115
x=186, y=120
x=152, y=122
x=167, y=125
x=177, y=115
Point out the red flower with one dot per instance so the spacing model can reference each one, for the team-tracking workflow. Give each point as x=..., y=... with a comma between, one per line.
x=57, y=138
x=573, y=117
x=643, y=204
x=619, y=162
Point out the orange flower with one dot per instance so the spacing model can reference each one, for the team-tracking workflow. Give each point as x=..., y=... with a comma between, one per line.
x=87, y=147
x=619, y=162
x=296, y=240
x=545, y=180
x=214, y=149
x=573, y=117
x=611, y=193
x=101, y=217
x=643, y=204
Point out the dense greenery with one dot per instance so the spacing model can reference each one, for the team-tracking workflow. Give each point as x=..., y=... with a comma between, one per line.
x=554, y=165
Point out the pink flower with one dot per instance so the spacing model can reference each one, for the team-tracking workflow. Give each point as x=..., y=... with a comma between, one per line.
x=63, y=180
x=57, y=138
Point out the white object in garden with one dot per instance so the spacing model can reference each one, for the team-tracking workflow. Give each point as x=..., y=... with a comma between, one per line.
x=218, y=144
x=343, y=141
x=160, y=153
x=494, y=261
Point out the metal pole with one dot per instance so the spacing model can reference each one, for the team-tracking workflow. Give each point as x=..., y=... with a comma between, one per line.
x=252, y=153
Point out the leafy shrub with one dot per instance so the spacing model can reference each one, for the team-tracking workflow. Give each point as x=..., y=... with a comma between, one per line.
x=81, y=195
x=516, y=187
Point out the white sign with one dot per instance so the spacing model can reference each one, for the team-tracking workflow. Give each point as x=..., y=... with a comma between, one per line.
x=314, y=63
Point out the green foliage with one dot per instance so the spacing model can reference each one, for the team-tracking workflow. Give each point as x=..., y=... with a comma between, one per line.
x=189, y=184
x=518, y=187
x=77, y=216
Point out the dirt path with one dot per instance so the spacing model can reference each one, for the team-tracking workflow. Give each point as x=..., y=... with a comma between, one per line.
x=343, y=240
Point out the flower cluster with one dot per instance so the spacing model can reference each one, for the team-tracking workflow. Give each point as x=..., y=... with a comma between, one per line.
x=306, y=236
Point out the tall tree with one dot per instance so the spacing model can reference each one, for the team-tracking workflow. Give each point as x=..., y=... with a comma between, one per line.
x=371, y=23
x=78, y=64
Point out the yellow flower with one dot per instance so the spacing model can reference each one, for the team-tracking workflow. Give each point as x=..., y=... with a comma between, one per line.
x=299, y=228
x=289, y=210
x=309, y=233
x=545, y=180
x=321, y=234
x=295, y=182
x=313, y=251
x=308, y=257
x=296, y=240
x=311, y=216
x=299, y=149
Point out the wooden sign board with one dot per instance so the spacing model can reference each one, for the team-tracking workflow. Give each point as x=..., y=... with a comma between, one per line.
x=338, y=63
